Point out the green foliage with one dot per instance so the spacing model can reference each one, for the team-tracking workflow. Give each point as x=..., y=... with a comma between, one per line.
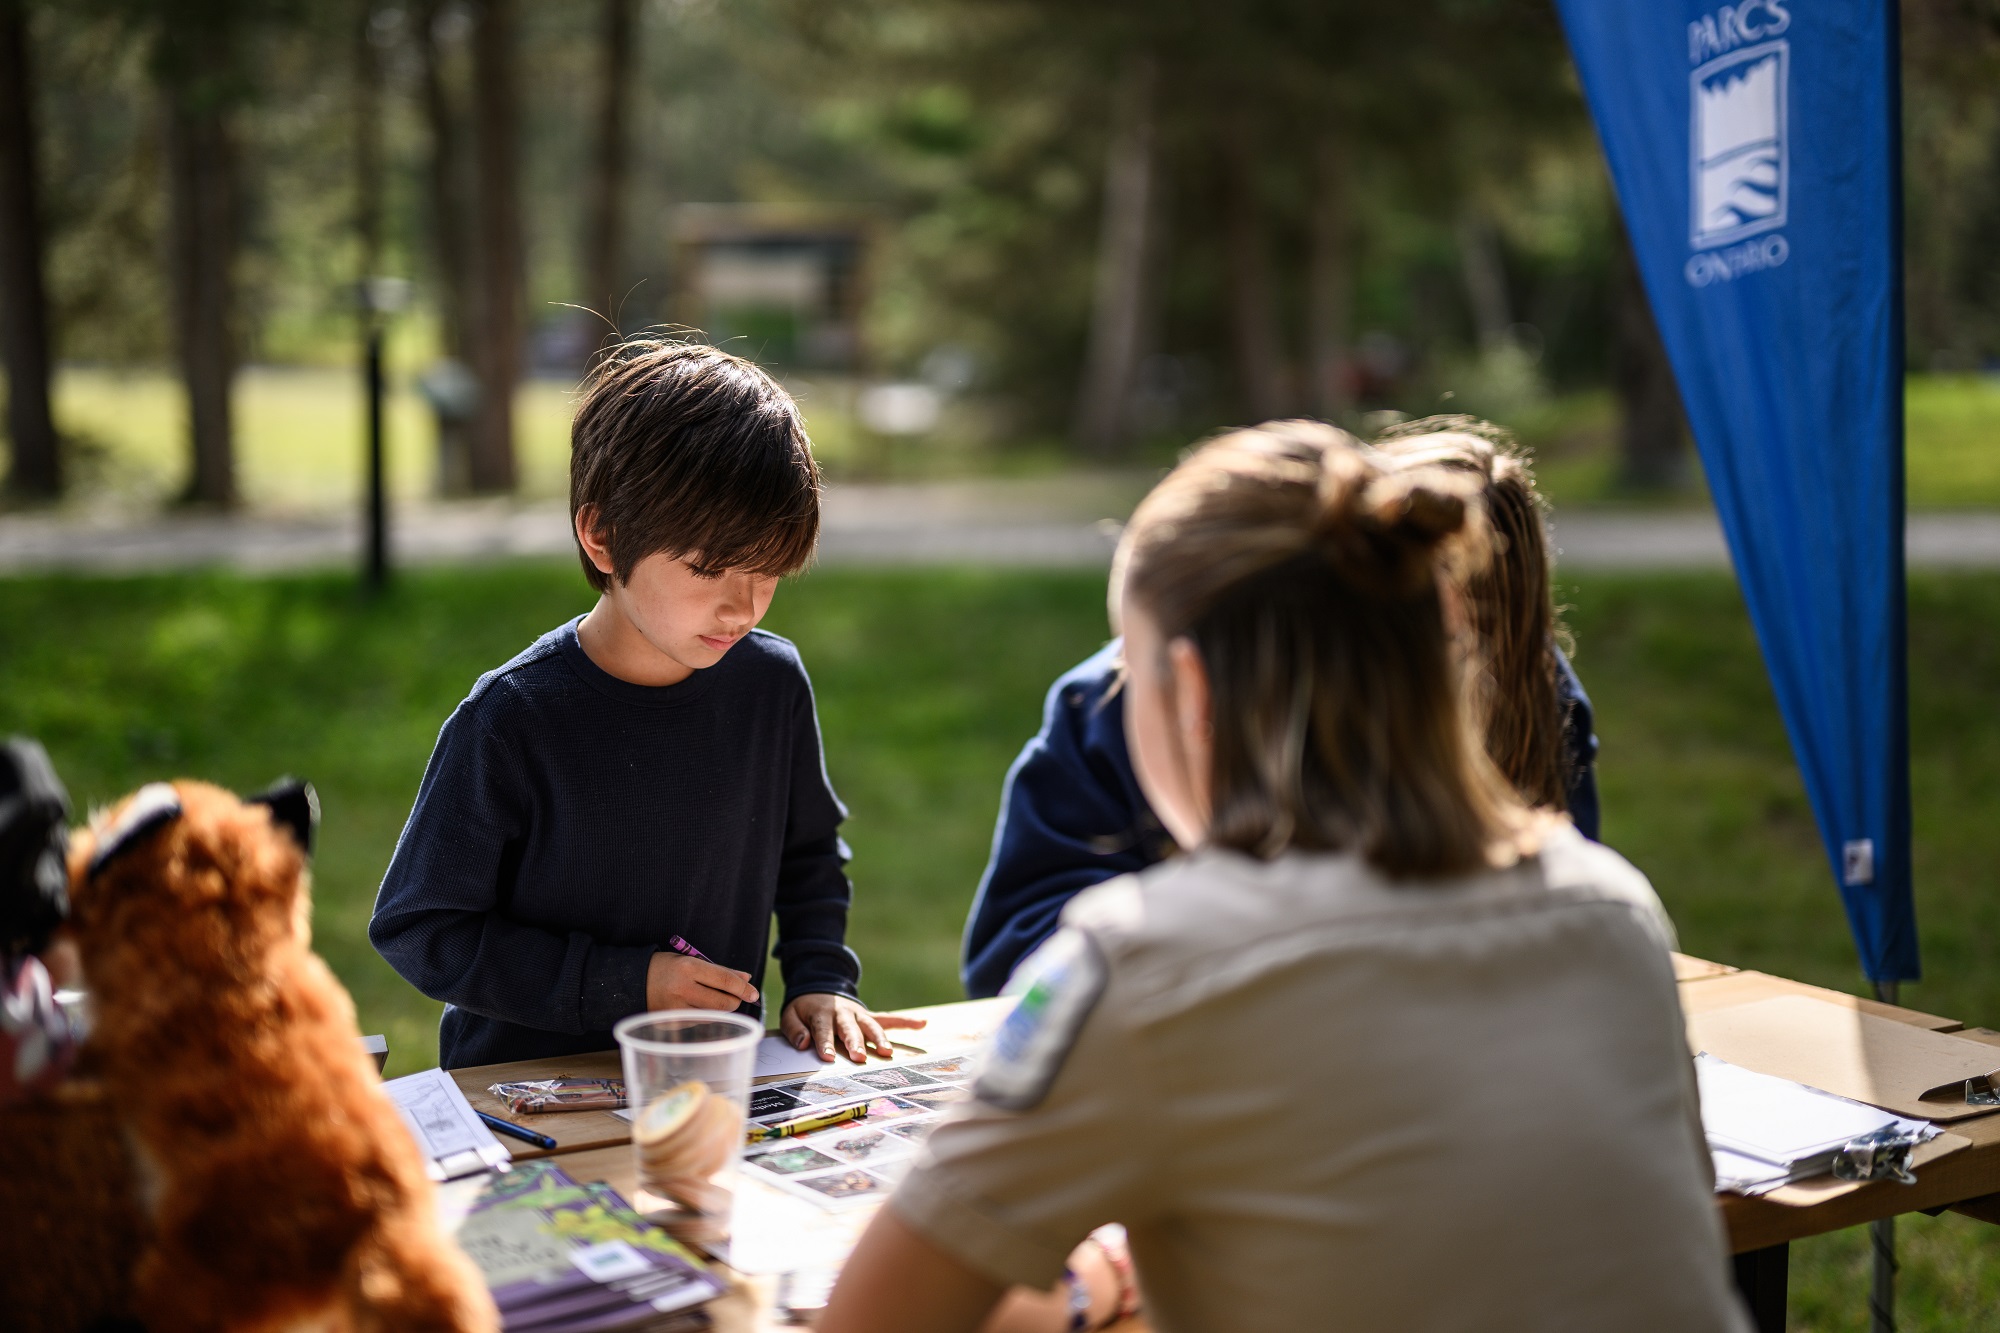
x=1951, y=149
x=975, y=132
x=927, y=684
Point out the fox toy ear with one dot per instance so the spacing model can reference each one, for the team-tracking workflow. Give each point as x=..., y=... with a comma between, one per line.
x=152, y=807
x=34, y=840
x=295, y=805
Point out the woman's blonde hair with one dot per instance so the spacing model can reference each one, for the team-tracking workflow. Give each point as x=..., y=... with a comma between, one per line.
x=1307, y=576
x=1507, y=602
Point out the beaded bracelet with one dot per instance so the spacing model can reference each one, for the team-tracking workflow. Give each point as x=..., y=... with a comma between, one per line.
x=1078, y=1296
x=1117, y=1251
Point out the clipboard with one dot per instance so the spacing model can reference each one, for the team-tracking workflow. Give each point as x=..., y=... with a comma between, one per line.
x=1909, y=1070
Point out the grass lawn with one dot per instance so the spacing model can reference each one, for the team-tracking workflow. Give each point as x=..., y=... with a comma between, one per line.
x=299, y=439
x=929, y=681
x=1951, y=452
x=298, y=436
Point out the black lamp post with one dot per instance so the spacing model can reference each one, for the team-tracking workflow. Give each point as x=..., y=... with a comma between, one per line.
x=380, y=298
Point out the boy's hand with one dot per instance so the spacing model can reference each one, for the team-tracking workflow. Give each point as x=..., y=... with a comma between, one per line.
x=675, y=981
x=819, y=1020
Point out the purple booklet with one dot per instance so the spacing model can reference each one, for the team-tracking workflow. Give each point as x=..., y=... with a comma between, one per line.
x=567, y=1258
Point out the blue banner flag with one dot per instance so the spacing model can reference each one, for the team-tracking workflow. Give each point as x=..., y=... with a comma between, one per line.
x=1755, y=152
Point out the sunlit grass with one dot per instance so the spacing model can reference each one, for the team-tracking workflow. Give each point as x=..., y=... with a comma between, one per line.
x=300, y=445
x=1954, y=440
x=1951, y=447
x=300, y=440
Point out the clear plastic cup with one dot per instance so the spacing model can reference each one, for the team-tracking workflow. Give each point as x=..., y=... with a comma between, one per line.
x=687, y=1081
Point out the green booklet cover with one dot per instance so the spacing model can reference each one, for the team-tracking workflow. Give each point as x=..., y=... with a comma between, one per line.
x=563, y=1257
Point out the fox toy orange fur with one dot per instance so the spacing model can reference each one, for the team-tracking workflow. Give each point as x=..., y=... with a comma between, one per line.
x=282, y=1190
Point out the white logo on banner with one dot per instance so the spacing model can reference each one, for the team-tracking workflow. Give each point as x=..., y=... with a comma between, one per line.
x=1739, y=167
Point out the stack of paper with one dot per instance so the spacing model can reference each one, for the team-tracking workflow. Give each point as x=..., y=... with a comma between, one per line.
x=454, y=1140
x=1764, y=1132
x=567, y=1258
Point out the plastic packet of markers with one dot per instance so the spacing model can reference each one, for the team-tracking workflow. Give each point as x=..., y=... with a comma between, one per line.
x=561, y=1094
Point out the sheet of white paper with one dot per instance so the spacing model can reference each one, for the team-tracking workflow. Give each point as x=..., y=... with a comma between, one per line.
x=776, y=1057
x=1737, y=1174
x=1776, y=1120
x=773, y=1232
x=444, y=1124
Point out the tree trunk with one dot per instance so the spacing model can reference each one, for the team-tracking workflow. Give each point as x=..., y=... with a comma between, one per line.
x=1485, y=280
x=1330, y=280
x=202, y=240
x=604, y=242
x=1118, y=299
x=451, y=240
x=368, y=145
x=34, y=465
x=497, y=223
x=449, y=233
x=1652, y=429
x=1253, y=308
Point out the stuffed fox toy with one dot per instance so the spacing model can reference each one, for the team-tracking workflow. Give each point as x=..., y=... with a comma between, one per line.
x=280, y=1187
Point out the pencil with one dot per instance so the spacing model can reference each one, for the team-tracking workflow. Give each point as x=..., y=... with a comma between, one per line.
x=508, y=1127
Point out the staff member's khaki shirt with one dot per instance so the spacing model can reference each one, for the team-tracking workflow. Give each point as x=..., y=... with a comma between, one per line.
x=1322, y=1100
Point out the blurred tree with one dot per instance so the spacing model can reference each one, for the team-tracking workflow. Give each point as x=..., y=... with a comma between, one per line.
x=1253, y=307
x=195, y=56
x=1652, y=426
x=1485, y=277
x=1951, y=151
x=1325, y=207
x=440, y=29
x=1119, y=297
x=604, y=235
x=498, y=298
x=1329, y=282
x=370, y=30
x=34, y=465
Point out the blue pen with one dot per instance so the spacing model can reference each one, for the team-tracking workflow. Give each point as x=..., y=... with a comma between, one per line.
x=509, y=1127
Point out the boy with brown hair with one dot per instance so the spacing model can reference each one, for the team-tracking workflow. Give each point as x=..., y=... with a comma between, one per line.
x=611, y=820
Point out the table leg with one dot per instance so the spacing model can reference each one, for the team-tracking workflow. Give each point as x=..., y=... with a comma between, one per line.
x=1760, y=1278
x=1882, y=1291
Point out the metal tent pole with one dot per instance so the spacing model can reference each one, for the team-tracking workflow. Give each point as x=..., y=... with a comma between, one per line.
x=1882, y=1237
x=375, y=561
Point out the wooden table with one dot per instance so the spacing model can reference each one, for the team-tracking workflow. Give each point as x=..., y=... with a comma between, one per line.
x=1760, y=1230
x=596, y=1145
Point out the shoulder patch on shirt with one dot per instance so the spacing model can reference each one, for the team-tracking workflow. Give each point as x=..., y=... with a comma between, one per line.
x=1058, y=985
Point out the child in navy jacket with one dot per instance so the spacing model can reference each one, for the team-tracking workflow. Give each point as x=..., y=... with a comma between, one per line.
x=1072, y=814
x=612, y=820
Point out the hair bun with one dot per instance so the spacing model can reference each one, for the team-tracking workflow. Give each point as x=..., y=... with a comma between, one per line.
x=1393, y=530
x=1420, y=509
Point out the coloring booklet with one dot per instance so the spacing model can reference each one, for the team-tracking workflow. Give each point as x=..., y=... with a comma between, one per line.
x=561, y=1257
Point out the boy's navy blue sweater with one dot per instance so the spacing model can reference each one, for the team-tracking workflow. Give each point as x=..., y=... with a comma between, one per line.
x=1072, y=815
x=571, y=822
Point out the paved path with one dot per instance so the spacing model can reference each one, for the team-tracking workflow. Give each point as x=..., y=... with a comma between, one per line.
x=1063, y=522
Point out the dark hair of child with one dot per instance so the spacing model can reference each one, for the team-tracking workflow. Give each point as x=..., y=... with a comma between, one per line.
x=683, y=449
